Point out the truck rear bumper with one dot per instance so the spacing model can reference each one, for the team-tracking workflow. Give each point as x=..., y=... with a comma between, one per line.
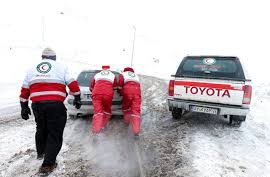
x=89, y=110
x=223, y=109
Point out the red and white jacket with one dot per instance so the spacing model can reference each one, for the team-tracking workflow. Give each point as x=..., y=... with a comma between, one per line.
x=103, y=83
x=47, y=81
x=129, y=83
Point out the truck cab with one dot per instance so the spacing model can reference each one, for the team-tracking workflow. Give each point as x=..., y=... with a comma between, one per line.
x=210, y=84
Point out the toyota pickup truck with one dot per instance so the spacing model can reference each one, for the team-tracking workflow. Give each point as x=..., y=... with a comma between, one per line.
x=216, y=85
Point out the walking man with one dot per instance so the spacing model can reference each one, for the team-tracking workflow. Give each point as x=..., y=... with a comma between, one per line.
x=45, y=85
x=102, y=88
x=129, y=87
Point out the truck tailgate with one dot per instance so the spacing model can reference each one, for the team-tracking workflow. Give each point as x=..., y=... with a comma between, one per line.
x=208, y=90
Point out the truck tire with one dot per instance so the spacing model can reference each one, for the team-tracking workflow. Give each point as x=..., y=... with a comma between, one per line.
x=236, y=120
x=177, y=113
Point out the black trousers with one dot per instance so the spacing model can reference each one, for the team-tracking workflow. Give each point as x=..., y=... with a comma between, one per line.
x=50, y=117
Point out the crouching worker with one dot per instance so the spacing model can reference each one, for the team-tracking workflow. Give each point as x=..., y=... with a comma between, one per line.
x=45, y=84
x=129, y=87
x=102, y=88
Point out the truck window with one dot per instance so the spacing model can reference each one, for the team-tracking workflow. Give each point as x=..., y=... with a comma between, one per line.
x=211, y=67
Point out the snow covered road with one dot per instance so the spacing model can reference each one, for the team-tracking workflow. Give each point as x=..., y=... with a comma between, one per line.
x=196, y=146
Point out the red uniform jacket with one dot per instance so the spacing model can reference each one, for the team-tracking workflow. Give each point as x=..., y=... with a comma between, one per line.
x=47, y=81
x=129, y=83
x=103, y=83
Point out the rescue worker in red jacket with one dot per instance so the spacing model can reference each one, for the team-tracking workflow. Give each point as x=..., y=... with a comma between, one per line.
x=102, y=88
x=129, y=87
x=45, y=85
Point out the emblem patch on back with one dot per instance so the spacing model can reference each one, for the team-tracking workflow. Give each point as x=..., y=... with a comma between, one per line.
x=131, y=74
x=44, y=67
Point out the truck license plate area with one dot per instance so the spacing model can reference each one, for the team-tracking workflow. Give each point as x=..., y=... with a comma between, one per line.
x=87, y=96
x=204, y=110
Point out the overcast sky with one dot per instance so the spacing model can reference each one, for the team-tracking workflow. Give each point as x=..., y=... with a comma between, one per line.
x=101, y=32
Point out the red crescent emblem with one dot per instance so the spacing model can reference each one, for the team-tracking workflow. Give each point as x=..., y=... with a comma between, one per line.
x=42, y=67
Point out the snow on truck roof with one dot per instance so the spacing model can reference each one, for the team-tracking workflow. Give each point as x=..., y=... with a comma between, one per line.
x=212, y=56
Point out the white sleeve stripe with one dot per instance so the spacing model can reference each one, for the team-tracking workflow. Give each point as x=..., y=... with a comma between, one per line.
x=125, y=110
x=107, y=113
x=75, y=93
x=25, y=86
x=100, y=113
x=134, y=115
x=23, y=99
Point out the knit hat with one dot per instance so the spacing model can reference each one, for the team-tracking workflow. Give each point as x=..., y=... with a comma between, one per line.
x=105, y=67
x=48, y=53
x=129, y=69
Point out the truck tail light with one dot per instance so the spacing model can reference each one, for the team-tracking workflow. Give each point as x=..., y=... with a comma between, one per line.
x=171, y=88
x=247, y=94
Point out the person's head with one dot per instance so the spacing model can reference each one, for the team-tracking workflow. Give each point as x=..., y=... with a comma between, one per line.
x=105, y=67
x=129, y=69
x=48, y=53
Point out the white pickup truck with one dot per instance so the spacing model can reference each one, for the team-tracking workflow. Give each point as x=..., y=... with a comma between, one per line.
x=213, y=85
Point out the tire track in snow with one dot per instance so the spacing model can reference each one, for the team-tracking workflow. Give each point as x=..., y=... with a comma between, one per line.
x=218, y=149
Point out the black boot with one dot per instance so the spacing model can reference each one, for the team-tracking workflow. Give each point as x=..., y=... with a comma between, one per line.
x=47, y=169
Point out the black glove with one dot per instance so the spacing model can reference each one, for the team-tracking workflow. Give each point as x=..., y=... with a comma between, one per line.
x=25, y=112
x=77, y=101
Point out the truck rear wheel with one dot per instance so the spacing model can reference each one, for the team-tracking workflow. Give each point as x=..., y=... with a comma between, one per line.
x=177, y=113
x=236, y=120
